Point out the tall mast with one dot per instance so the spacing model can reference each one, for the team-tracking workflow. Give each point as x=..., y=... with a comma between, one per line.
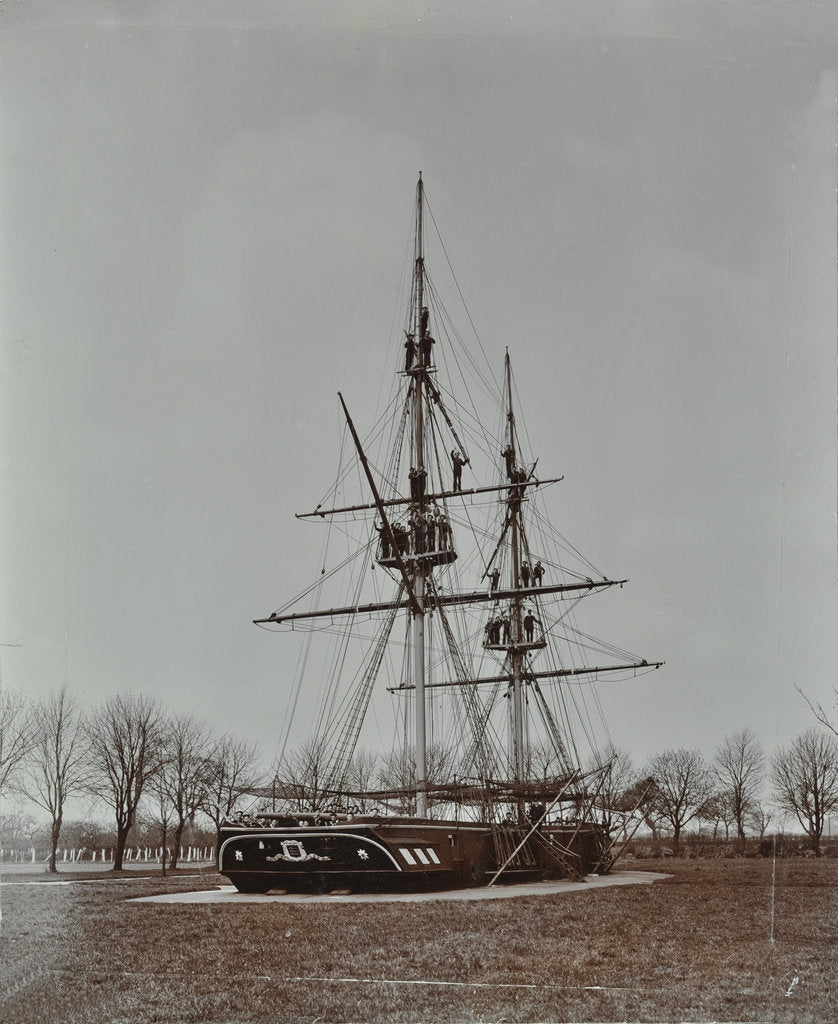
x=516, y=655
x=419, y=327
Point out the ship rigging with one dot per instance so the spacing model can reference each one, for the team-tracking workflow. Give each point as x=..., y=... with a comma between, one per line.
x=485, y=674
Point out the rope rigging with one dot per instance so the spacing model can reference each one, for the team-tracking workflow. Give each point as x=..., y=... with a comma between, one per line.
x=507, y=531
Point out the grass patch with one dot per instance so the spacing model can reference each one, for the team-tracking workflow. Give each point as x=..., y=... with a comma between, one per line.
x=697, y=946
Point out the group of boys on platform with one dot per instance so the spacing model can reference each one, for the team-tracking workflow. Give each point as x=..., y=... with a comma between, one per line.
x=498, y=629
x=425, y=532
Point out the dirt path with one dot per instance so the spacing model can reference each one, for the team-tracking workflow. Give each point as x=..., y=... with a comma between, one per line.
x=227, y=893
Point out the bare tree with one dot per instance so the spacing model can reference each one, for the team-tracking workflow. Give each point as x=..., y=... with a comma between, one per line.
x=619, y=775
x=15, y=728
x=303, y=775
x=682, y=787
x=806, y=780
x=18, y=829
x=718, y=809
x=738, y=767
x=125, y=740
x=234, y=773
x=543, y=762
x=162, y=813
x=642, y=797
x=398, y=773
x=186, y=768
x=55, y=765
x=760, y=818
x=362, y=772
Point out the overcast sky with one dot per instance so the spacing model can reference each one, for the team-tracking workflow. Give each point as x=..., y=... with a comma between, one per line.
x=204, y=212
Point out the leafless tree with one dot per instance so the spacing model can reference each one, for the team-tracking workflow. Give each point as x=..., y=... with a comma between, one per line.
x=302, y=776
x=161, y=814
x=806, y=780
x=55, y=764
x=682, y=787
x=760, y=818
x=360, y=778
x=618, y=776
x=186, y=769
x=125, y=741
x=398, y=773
x=18, y=828
x=15, y=728
x=718, y=809
x=543, y=762
x=738, y=767
x=641, y=797
x=234, y=773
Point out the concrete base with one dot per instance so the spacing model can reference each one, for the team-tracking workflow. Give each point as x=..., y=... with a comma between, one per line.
x=227, y=893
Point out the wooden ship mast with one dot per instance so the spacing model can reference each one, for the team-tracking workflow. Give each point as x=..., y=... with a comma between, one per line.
x=413, y=558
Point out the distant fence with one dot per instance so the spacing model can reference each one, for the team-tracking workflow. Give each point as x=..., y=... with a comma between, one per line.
x=133, y=854
x=702, y=847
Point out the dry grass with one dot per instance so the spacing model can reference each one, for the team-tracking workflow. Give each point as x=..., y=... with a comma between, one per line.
x=696, y=947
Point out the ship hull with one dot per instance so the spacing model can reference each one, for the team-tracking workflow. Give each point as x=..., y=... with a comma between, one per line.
x=400, y=855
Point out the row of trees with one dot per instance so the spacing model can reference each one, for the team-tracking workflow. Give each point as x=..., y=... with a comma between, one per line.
x=669, y=792
x=679, y=786
x=126, y=750
x=672, y=789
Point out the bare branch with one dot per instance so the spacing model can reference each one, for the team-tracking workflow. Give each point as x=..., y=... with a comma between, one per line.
x=818, y=711
x=15, y=730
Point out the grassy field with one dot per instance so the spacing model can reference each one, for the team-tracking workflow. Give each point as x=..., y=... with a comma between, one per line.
x=720, y=940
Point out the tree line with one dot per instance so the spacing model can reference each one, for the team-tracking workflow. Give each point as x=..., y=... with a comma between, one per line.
x=125, y=750
x=128, y=749
x=733, y=791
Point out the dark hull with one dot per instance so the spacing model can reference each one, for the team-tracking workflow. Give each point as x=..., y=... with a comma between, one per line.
x=400, y=855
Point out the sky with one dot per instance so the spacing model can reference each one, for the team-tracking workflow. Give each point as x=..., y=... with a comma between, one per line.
x=204, y=212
